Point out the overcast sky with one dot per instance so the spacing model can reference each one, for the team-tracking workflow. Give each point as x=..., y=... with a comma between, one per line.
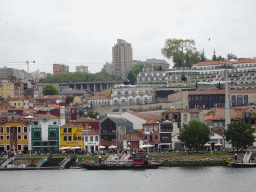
x=84, y=31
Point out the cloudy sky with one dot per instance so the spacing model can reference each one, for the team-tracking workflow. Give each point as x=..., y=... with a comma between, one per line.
x=84, y=31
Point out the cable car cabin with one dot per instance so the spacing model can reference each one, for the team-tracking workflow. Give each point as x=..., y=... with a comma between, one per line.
x=139, y=158
x=183, y=77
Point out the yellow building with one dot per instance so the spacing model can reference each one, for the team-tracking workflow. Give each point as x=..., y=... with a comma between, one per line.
x=7, y=88
x=77, y=100
x=16, y=102
x=14, y=135
x=71, y=136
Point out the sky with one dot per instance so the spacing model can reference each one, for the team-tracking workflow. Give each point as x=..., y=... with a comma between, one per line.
x=83, y=32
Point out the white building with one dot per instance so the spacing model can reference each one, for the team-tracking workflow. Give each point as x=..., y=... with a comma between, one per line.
x=82, y=69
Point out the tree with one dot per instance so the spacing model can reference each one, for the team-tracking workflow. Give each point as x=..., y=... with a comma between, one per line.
x=92, y=114
x=69, y=99
x=50, y=90
x=240, y=135
x=195, y=134
x=132, y=75
x=220, y=58
x=231, y=56
x=182, y=52
x=12, y=77
x=214, y=58
x=202, y=57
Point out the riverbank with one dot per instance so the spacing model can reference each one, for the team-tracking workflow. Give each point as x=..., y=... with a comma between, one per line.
x=166, y=159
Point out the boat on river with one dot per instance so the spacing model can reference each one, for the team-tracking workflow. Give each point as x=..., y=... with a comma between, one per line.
x=138, y=161
x=246, y=162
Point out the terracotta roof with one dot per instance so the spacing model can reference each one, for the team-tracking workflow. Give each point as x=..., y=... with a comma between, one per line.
x=135, y=136
x=235, y=114
x=151, y=121
x=96, y=97
x=50, y=97
x=208, y=63
x=207, y=117
x=218, y=132
x=146, y=116
x=93, y=132
x=246, y=61
x=16, y=99
x=195, y=110
x=47, y=116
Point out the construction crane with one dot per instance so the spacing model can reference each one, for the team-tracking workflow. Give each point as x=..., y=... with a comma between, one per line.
x=27, y=62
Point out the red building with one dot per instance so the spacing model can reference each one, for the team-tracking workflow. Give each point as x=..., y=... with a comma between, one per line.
x=151, y=132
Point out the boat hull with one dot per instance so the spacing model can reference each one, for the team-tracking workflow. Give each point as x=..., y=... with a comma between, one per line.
x=120, y=167
x=243, y=165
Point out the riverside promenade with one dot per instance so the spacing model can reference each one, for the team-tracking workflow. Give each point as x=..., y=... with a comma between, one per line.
x=166, y=159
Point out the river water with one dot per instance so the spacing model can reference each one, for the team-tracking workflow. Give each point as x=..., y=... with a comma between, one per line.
x=199, y=179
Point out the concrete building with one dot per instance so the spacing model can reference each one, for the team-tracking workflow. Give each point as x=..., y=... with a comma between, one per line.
x=5, y=72
x=82, y=69
x=122, y=58
x=60, y=68
x=108, y=67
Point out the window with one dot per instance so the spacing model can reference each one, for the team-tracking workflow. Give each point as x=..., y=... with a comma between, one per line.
x=215, y=124
x=36, y=123
x=156, y=137
x=220, y=124
x=52, y=134
x=91, y=138
x=1, y=137
x=70, y=138
x=145, y=137
x=19, y=137
x=70, y=130
x=86, y=138
x=150, y=127
x=145, y=128
x=19, y=147
x=65, y=138
x=7, y=137
x=25, y=137
x=7, y=129
x=185, y=117
x=1, y=130
x=96, y=138
x=65, y=130
x=54, y=123
x=25, y=129
x=37, y=135
x=155, y=127
x=8, y=148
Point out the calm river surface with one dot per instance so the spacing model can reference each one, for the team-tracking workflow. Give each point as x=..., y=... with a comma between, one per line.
x=200, y=179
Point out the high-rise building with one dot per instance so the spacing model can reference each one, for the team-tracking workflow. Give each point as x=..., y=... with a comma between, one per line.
x=122, y=58
x=82, y=68
x=60, y=68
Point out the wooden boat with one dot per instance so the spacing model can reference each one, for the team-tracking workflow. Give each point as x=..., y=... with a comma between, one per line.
x=138, y=161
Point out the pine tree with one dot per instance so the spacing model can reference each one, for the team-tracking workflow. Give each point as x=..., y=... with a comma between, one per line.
x=214, y=58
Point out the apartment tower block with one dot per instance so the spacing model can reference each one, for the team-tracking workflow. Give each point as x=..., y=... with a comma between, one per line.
x=122, y=58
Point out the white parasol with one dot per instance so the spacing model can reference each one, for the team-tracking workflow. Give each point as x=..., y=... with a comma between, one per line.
x=112, y=147
x=64, y=148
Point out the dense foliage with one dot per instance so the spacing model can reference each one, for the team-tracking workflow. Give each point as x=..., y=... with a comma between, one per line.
x=195, y=134
x=240, y=135
x=182, y=52
x=50, y=90
x=80, y=77
x=132, y=75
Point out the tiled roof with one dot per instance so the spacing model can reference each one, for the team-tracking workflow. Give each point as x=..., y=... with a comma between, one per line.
x=151, y=121
x=219, y=132
x=146, y=116
x=235, y=114
x=208, y=63
x=47, y=116
x=134, y=136
x=93, y=132
x=50, y=97
x=246, y=61
x=207, y=117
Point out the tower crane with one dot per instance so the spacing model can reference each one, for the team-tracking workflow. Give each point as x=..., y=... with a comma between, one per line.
x=27, y=62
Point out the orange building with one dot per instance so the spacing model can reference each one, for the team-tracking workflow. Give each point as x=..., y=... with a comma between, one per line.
x=14, y=135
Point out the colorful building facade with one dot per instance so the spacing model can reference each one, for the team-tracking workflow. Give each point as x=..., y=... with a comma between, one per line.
x=14, y=136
